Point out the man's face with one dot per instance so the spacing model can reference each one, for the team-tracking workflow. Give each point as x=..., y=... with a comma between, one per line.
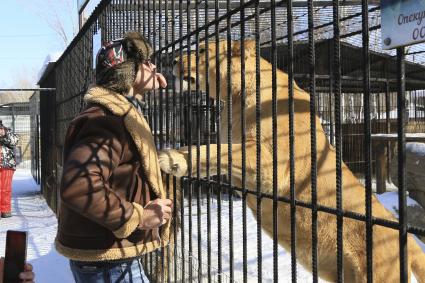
x=148, y=79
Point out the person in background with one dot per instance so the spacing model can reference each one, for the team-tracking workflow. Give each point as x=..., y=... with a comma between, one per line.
x=113, y=205
x=8, y=140
x=26, y=276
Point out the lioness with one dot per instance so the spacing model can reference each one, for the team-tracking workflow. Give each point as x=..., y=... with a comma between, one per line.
x=385, y=240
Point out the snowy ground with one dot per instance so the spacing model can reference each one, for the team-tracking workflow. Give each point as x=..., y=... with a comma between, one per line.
x=284, y=258
x=390, y=200
x=32, y=214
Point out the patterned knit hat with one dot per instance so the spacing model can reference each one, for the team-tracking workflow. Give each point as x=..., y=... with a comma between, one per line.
x=117, y=61
x=110, y=55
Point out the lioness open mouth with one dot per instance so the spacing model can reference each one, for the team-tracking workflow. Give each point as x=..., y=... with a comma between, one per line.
x=184, y=81
x=189, y=79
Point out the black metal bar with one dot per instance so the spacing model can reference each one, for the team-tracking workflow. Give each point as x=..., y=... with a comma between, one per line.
x=401, y=114
x=135, y=17
x=112, y=16
x=387, y=114
x=160, y=128
x=229, y=139
x=118, y=21
x=148, y=96
x=167, y=92
x=173, y=81
x=312, y=89
x=243, y=143
x=290, y=32
x=122, y=21
x=367, y=141
x=139, y=14
x=198, y=146
x=107, y=23
x=188, y=127
x=274, y=139
x=127, y=16
x=156, y=104
x=175, y=249
x=181, y=135
x=338, y=139
x=144, y=18
x=416, y=103
x=174, y=140
x=113, y=20
x=218, y=139
x=258, y=138
x=208, y=149
x=331, y=91
x=182, y=186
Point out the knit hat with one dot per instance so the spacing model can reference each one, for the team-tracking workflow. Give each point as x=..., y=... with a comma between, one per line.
x=117, y=61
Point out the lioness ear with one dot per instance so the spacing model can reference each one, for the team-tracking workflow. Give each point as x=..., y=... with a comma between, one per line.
x=249, y=46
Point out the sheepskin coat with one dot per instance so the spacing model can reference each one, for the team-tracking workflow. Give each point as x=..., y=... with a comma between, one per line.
x=110, y=172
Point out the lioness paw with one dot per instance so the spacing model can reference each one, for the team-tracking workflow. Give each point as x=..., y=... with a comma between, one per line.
x=173, y=162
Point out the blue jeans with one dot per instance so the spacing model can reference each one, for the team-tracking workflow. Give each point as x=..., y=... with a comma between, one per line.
x=130, y=271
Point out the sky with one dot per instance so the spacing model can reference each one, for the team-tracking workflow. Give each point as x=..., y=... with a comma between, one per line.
x=26, y=38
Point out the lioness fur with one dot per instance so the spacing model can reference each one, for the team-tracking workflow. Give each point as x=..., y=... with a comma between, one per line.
x=385, y=240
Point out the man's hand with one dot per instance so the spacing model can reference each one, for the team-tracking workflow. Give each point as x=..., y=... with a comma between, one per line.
x=156, y=213
x=2, y=132
x=26, y=276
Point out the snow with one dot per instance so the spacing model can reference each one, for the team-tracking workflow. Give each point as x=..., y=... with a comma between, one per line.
x=395, y=135
x=26, y=164
x=50, y=58
x=417, y=148
x=31, y=213
x=284, y=258
x=390, y=201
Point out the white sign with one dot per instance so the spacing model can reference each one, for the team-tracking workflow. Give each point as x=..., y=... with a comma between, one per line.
x=402, y=22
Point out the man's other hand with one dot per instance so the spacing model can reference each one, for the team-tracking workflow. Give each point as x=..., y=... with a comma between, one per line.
x=156, y=213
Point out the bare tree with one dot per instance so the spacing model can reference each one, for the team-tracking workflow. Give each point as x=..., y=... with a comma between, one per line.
x=60, y=15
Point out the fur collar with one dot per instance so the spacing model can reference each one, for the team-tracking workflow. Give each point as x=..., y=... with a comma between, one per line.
x=138, y=128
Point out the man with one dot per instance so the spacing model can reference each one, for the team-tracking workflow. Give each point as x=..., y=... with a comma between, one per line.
x=113, y=206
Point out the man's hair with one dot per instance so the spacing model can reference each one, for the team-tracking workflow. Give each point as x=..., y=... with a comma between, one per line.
x=117, y=62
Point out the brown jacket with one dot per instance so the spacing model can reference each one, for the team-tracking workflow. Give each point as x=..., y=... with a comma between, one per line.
x=104, y=187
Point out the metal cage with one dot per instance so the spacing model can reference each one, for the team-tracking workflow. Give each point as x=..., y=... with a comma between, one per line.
x=331, y=50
